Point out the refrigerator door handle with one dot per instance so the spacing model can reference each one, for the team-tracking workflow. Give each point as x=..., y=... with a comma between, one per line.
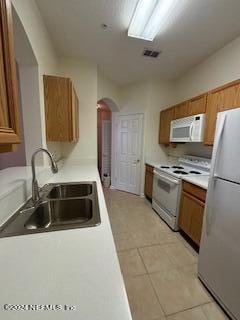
x=191, y=131
x=213, y=176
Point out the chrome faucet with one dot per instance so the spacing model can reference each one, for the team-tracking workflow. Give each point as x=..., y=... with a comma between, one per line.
x=54, y=168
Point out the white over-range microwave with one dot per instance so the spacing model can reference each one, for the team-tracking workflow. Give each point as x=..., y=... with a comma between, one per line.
x=189, y=129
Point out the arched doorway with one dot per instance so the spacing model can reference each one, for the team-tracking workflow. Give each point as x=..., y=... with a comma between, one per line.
x=105, y=107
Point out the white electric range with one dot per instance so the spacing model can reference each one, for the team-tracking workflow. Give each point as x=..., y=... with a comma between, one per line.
x=167, y=186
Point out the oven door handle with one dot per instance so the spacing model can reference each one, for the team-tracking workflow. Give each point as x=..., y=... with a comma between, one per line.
x=166, y=179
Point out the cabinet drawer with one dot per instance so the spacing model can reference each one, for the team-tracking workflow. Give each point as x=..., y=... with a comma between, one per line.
x=196, y=191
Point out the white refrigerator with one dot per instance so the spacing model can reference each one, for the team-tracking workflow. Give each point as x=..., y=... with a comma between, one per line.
x=219, y=257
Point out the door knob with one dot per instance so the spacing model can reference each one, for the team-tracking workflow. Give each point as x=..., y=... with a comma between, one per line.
x=136, y=161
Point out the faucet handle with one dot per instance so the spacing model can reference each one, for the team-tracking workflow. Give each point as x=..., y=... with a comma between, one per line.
x=54, y=167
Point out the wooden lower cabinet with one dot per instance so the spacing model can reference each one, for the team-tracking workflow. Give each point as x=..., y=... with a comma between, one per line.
x=191, y=211
x=148, y=181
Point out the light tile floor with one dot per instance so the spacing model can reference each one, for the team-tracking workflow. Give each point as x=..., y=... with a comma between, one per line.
x=159, y=267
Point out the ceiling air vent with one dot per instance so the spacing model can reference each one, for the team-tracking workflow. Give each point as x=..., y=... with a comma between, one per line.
x=151, y=53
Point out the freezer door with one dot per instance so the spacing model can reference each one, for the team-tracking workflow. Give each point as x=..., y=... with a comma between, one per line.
x=227, y=162
x=219, y=257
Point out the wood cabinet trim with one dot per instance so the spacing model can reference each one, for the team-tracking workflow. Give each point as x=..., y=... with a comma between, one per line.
x=195, y=190
x=199, y=96
x=194, y=198
x=149, y=167
x=225, y=86
x=12, y=135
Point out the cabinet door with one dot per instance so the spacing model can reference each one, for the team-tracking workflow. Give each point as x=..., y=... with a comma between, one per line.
x=58, y=113
x=181, y=110
x=221, y=99
x=9, y=104
x=197, y=105
x=61, y=109
x=148, y=182
x=166, y=116
x=191, y=216
x=230, y=97
x=197, y=221
x=185, y=214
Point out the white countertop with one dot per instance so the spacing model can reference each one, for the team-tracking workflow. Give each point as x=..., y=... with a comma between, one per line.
x=77, y=267
x=199, y=180
x=153, y=163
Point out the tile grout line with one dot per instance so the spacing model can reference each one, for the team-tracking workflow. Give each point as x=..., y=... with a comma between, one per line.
x=191, y=308
x=147, y=273
x=150, y=280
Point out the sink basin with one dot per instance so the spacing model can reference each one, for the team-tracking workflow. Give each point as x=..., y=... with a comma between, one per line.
x=61, y=207
x=53, y=213
x=70, y=190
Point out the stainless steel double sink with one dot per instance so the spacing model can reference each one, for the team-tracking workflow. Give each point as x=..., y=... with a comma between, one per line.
x=62, y=206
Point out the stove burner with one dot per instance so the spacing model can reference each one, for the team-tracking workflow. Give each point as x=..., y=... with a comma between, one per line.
x=177, y=167
x=195, y=172
x=180, y=172
x=165, y=167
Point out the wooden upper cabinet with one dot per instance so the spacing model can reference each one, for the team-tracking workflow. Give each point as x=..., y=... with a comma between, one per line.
x=197, y=105
x=221, y=99
x=61, y=109
x=166, y=116
x=191, y=107
x=9, y=104
x=181, y=110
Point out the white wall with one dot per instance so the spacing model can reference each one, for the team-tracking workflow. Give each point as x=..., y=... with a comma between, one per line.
x=83, y=74
x=84, y=77
x=29, y=90
x=148, y=97
x=106, y=88
x=220, y=68
x=44, y=52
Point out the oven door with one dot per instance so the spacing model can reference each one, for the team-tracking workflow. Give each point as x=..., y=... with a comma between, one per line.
x=166, y=190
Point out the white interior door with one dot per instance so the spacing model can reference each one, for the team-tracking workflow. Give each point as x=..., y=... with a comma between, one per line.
x=128, y=149
x=106, y=147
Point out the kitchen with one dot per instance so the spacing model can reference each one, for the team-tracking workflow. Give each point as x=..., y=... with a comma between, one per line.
x=135, y=258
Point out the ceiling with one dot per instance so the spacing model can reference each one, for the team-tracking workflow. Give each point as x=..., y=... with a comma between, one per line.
x=200, y=29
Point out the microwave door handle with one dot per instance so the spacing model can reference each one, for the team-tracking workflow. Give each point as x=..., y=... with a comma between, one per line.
x=213, y=176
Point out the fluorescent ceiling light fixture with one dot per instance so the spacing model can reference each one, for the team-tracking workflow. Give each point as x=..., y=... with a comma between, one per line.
x=150, y=16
